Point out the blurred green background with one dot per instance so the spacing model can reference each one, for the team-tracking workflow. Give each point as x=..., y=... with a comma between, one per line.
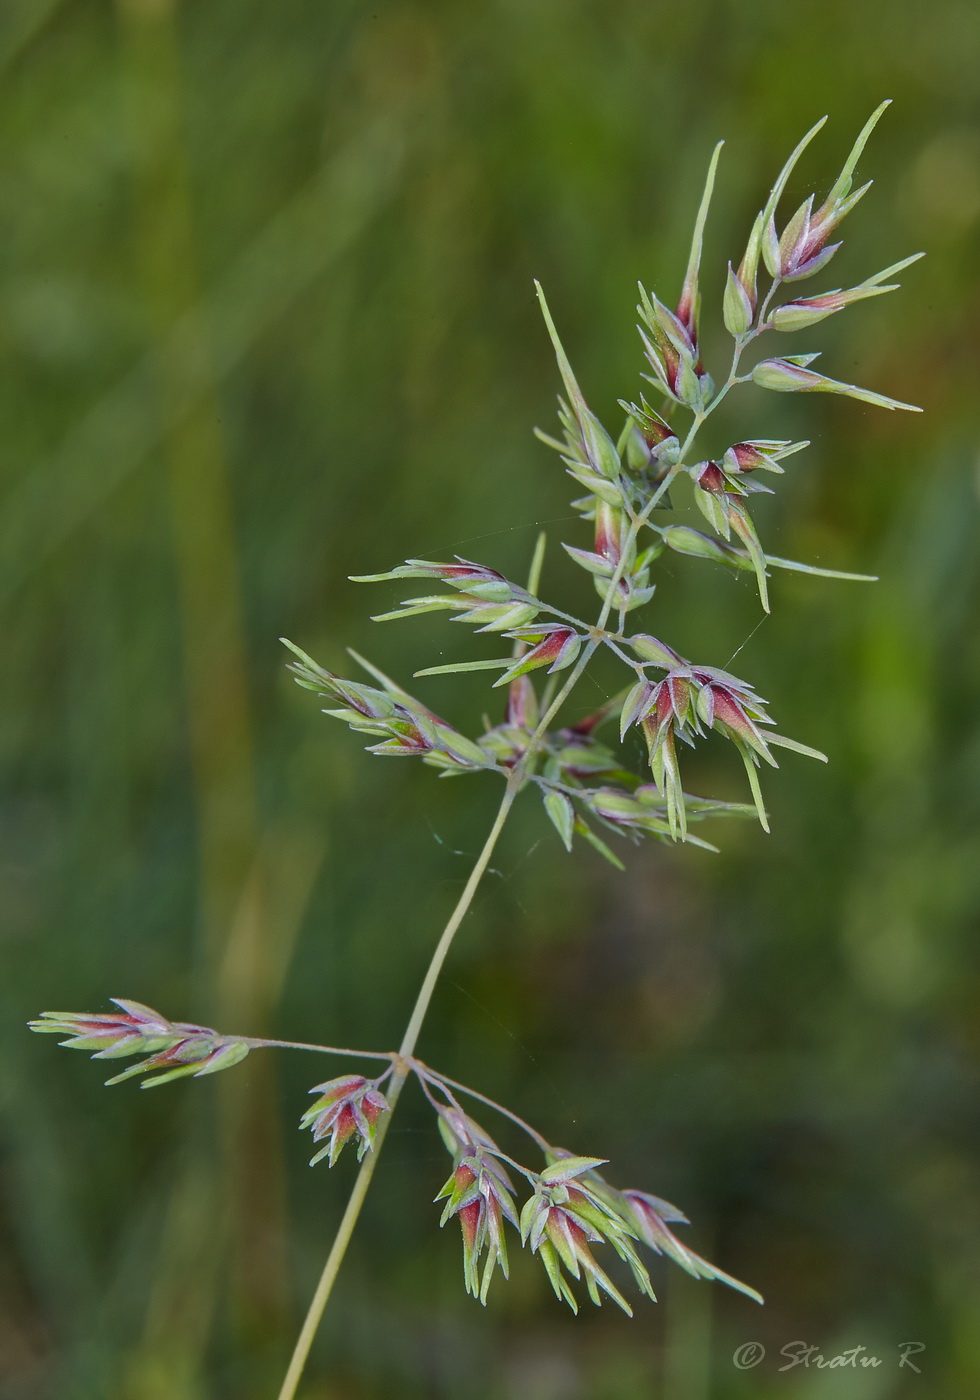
x=267, y=320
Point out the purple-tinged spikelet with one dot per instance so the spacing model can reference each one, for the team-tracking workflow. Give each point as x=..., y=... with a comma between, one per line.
x=175, y=1048
x=348, y=1107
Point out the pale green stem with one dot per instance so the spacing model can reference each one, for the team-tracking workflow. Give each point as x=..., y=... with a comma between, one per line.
x=255, y=1043
x=764, y=308
x=337, y=1251
x=435, y=1077
x=402, y=1069
x=627, y=660
x=414, y=1027
x=443, y=1084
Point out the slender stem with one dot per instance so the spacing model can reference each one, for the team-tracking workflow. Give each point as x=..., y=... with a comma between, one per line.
x=637, y=666
x=335, y=1258
x=401, y=1071
x=764, y=308
x=553, y=785
x=435, y=1077
x=564, y=616
x=740, y=344
x=254, y=1043
x=414, y=1027
x=426, y=1079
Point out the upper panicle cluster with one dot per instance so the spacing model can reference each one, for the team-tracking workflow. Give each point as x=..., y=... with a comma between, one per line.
x=585, y=786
